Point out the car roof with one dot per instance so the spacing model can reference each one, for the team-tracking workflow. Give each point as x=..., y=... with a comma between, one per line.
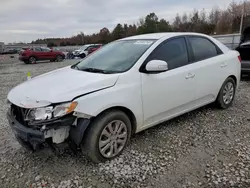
x=90, y=44
x=157, y=36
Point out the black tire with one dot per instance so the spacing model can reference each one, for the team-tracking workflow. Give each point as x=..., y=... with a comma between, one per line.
x=32, y=60
x=82, y=56
x=220, y=101
x=90, y=143
x=59, y=58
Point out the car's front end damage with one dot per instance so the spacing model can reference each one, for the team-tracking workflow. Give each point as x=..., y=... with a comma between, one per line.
x=53, y=126
x=47, y=110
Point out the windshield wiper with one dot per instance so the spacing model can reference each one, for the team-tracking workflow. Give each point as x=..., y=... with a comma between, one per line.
x=75, y=66
x=96, y=70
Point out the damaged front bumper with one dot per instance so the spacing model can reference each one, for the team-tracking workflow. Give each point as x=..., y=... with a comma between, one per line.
x=29, y=138
x=34, y=138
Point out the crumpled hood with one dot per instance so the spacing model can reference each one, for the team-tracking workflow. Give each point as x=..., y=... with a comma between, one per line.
x=59, y=86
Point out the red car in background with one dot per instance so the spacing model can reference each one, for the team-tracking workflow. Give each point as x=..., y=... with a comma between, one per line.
x=32, y=55
x=92, y=49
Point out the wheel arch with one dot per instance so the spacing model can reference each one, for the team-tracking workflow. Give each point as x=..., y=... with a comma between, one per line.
x=127, y=111
x=32, y=55
x=78, y=133
x=234, y=78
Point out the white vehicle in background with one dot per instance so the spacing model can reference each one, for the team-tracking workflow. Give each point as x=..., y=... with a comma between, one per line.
x=125, y=87
x=83, y=51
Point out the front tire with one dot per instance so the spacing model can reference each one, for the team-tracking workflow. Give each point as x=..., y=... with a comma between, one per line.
x=107, y=136
x=226, y=94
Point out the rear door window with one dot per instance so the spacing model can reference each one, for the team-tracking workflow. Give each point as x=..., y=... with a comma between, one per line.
x=203, y=48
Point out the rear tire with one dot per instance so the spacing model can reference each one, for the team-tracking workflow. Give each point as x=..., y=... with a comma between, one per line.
x=59, y=58
x=82, y=56
x=107, y=136
x=226, y=94
x=32, y=60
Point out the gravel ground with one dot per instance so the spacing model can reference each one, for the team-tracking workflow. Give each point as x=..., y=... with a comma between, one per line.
x=204, y=148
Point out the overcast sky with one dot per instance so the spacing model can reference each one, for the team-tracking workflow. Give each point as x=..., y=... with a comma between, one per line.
x=27, y=20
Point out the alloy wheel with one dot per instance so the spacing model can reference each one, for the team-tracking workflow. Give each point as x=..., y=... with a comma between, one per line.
x=59, y=58
x=32, y=60
x=113, y=139
x=228, y=93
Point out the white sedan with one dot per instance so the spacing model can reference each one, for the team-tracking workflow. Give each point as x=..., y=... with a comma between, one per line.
x=125, y=87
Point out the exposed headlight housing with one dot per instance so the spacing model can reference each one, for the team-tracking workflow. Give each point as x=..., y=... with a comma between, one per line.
x=40, y=113
x=50, y=112
x=63, y=109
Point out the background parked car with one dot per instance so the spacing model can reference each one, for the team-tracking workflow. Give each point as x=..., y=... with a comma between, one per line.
x=94, y=48
x=244, y=50
x=40, y=53
x=10, y=51
x=60, y=50
x=84, y=50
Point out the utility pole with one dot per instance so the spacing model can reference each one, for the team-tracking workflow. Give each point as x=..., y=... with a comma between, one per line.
x=242, y=17
x=82, y=37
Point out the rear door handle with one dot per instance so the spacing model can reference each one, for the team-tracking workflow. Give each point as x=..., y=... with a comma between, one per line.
x=190, y=75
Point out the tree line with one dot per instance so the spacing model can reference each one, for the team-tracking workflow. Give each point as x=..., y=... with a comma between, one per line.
x=216, y=21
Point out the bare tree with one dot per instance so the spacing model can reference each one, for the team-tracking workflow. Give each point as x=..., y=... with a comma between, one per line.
x=214, y=15
x=184, y=18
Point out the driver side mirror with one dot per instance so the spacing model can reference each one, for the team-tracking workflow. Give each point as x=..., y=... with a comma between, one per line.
x=156, y=66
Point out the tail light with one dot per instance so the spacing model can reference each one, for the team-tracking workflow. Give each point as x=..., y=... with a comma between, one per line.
x=239, y=58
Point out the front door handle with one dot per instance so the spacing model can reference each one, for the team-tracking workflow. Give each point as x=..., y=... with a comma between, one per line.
x=190, y=75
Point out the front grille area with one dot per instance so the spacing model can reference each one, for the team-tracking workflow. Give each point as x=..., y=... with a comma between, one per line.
x=19, y=113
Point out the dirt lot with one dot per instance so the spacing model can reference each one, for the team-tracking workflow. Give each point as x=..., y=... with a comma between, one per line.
x=204, y=148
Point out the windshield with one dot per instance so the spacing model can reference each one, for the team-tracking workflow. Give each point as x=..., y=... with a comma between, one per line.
x=118, y=56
